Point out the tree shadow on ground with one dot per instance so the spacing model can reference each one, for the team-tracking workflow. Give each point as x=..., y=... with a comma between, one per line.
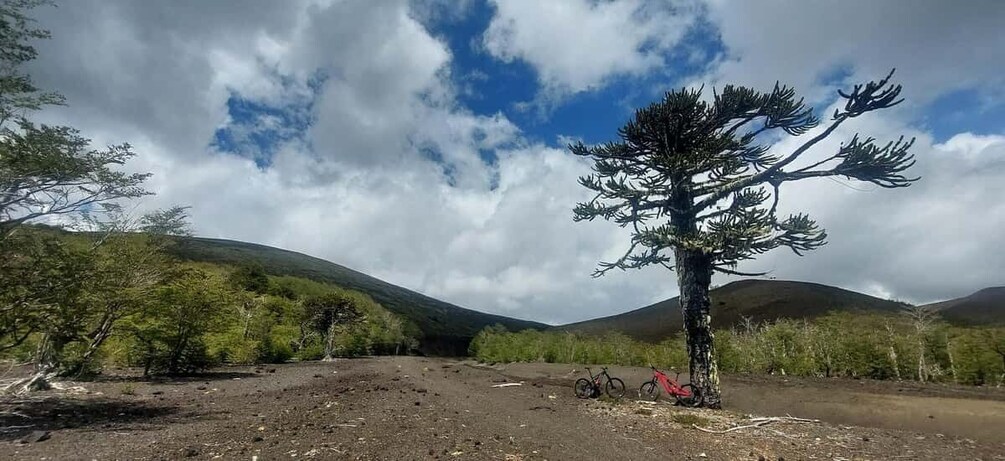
x=19, y=417
x=206, y=377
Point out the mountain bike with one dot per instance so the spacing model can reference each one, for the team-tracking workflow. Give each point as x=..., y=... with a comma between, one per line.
x=586, y=388
x=686, y=395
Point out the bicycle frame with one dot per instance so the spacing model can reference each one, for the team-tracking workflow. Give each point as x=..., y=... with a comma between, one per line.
x=671, y=386
x=595, y=379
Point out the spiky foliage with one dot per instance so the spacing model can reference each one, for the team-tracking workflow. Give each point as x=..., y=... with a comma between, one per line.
x=700, y=175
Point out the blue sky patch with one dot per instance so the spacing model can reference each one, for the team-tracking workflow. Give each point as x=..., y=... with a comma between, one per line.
x=257, y=129
x=968, y=110
x=488, y=85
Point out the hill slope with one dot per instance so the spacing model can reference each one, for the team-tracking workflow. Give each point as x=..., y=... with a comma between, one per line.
x=758, y=299
x=985, y=307
x=447, y=328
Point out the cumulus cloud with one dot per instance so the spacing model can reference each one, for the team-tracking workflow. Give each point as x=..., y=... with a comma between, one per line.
x=933, y=240
x=580, y=45
x=936, y=46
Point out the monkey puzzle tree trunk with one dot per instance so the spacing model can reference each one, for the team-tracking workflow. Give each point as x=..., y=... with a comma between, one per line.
x=694, y=275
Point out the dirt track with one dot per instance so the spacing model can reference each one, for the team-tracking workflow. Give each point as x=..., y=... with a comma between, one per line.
x=416, y=408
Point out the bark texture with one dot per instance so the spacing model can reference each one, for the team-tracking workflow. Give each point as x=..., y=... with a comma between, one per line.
x=694, y=275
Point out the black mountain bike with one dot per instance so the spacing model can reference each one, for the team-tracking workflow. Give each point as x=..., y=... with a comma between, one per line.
x=586, y=388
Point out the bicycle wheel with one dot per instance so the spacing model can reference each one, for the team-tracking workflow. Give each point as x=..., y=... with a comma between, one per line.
x=584, y=388
x=615, y=388
x=692, y=400
x=649, y=391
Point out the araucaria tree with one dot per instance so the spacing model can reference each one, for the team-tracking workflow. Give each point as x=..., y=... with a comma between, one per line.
x=698, y=181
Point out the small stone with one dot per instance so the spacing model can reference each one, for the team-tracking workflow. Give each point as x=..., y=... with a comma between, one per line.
x=191, y=452
x=257, y=439
x=35, y=437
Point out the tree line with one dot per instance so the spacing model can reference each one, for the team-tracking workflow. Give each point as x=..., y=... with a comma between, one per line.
x=76, y=303
x=840, y=344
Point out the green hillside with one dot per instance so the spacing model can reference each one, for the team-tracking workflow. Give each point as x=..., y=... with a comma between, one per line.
x=447, y=328
x=760, y=300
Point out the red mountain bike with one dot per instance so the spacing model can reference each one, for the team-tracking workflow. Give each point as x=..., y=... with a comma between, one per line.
x=586, y=388
x=686, y=395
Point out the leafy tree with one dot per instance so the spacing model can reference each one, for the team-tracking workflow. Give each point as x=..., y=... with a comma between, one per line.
x=49, y=286
x=43, y=293
x=326, y=315
x=37, y=274
x=170, y=335
x=47, y=171
x=250, y=276
x=698, y=182
x=128, y=272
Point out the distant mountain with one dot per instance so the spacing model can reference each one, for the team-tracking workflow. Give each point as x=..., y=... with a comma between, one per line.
x=758, y=299
x=985, y=307
x=447, y=328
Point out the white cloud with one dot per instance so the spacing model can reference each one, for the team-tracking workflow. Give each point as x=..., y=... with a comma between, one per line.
x=933, y=240
x=579, y=45
x=935, y=46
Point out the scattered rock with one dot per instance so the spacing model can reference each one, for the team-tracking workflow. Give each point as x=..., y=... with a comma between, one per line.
x=191, y=452
x=35, y=437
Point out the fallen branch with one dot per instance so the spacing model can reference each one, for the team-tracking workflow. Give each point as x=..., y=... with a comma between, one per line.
x=757, y=422
x=712, y=431
x=509, y=384
x=37, y=382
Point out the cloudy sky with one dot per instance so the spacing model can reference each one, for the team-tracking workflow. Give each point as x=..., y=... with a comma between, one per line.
x=422, y=141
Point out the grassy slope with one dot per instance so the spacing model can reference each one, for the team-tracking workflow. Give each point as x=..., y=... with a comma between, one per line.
x=439, y=321
x=985, y=307
x=758, y=299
